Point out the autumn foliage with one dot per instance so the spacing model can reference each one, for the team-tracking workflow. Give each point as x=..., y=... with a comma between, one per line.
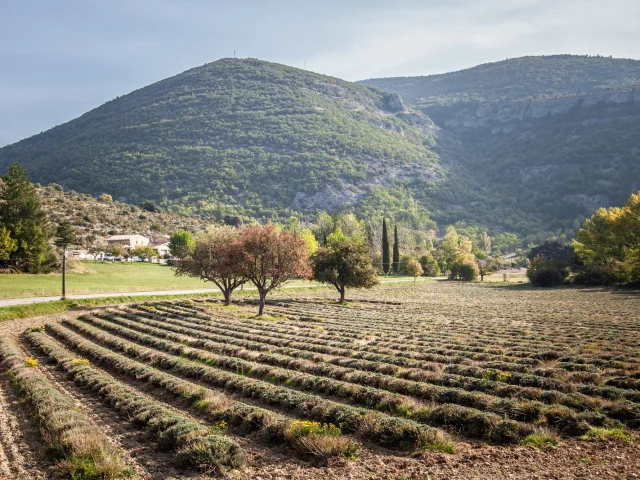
x=271, y=257
x=265, y=255
x=217, y=257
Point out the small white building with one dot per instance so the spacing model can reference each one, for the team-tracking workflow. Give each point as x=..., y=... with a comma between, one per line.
x=76, y=253
x=128, y=241
x=162, y=249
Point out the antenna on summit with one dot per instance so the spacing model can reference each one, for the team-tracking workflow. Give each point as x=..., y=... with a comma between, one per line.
x=234, y=53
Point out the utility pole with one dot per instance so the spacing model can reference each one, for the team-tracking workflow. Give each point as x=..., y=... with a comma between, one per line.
x=64, y=272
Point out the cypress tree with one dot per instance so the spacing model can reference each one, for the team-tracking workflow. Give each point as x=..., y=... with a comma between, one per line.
x=396, y=251
x=22, y=215
x=386, y=257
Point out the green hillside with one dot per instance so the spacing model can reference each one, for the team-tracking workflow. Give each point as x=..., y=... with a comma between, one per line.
x=234, y=137
x=517, y=78
x=535, y=144
x=529, y=145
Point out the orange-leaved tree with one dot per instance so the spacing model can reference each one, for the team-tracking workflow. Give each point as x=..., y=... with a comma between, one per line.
x=271, y=257
x=216, y=257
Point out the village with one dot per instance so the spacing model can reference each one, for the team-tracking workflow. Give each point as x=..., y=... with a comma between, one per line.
x=126, y=248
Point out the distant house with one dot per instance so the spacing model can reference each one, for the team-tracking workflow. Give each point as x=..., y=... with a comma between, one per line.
x=159, y=240
x=128, y=241
x=79, y=254
x=162, y=249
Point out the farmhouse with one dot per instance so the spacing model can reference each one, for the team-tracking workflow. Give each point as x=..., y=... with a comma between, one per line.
x=162, y=249
x=128, y=241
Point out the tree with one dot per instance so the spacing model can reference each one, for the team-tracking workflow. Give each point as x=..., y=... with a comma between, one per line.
x=456, y=256
x=181, y=243
x=8, y=245
x=116, y=250
x=143, y=251
x=350, y=226
x=414, y=269
x=271, y=257
x=484, y=243
x=386, y=257
x=482, y=263
x=396, y=251
x=65, y=236
x=545, y=272
x=609, y=242
x=554, y=250
x=216, y=257
x=344, y=263
x=429, y=266
x=150, y=206
x=22, y=215
x=448, y=249
x=326, y=225
x=310, y=239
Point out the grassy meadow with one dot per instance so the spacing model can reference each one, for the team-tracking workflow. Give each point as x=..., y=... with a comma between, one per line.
x=98, y=277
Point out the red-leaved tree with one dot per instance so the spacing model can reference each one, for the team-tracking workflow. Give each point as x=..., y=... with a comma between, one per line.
x=217, y=257
x=272, y=257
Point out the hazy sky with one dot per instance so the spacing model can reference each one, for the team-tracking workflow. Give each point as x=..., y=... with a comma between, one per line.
x=60, y=58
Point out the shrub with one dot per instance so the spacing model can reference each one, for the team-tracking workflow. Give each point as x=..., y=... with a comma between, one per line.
x=319, y=439
x=74, y=441
x=547, y=273
x=565, y=420
x=467, y=271
x=507, y=431
x=430, y=266
x=593, y=276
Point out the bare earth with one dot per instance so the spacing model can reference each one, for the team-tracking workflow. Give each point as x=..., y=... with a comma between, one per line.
x=23, y=455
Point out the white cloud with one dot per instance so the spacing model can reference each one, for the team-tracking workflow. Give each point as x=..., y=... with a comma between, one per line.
x=436, y=39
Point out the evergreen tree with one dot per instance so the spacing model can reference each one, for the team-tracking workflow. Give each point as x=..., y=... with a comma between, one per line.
x=396, y=251
x=22, y=215
x=386, y=257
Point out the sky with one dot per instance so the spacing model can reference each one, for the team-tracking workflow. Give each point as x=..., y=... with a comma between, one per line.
x=59, y=59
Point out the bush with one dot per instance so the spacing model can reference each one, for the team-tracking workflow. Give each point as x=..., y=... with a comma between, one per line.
x=592, y=276
x=547, y=273
x=430, y=266
x=466, y=271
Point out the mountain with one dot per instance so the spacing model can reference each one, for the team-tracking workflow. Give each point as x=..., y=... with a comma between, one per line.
x=529, y=145
x=237, y=137
x=517, y=78
x=551, y=137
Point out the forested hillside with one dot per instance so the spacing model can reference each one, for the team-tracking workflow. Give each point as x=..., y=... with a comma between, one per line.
x=534, y=140
x=237, y=137
x=530, y=145
x=525, y=77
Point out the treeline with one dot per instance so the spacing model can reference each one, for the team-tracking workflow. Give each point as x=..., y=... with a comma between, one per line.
x=339, y=250
x=606, y=251
x=269, y=255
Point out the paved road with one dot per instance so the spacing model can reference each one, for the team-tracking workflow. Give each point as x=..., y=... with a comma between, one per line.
x=28, y=301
